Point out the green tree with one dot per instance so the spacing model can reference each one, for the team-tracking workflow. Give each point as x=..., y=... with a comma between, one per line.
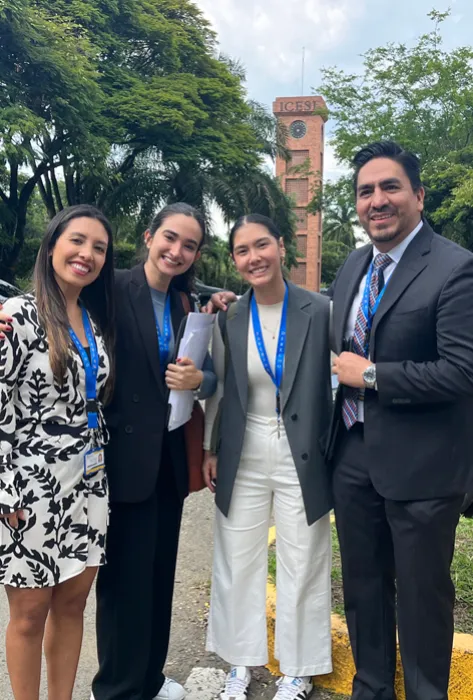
x=216, y=267
x=334, y=254
x=422, y=97
x=47, y=73
x=125, y=105
x=340, y=220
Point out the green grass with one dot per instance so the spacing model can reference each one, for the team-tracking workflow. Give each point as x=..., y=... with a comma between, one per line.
x=462, y=575
x=272, y=563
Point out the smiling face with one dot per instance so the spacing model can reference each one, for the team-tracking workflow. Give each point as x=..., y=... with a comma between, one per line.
x=79, y=253
x=174, y=247
x=387, y=206
x=258, y=255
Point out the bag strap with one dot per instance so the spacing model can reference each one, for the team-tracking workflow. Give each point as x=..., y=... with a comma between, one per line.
x=185, y=303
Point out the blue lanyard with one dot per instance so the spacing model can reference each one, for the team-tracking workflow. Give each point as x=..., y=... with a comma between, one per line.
x=281, y=349
x=91, y=368
x=164, y=338
x=366, y=298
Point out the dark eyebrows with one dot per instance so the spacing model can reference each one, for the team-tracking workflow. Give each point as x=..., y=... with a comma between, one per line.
x=384, y=183
x=243, y=246
x=187, y=240
x=83, y=237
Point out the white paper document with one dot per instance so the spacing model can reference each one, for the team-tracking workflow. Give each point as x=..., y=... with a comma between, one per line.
x=195, y=345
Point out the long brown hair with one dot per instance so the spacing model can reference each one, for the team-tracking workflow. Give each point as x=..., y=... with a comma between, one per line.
x=98, y=297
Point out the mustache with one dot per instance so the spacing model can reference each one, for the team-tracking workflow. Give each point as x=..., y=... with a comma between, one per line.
x=382, y=210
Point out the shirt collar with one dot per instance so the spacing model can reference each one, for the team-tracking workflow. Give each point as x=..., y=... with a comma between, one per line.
x=398, y=251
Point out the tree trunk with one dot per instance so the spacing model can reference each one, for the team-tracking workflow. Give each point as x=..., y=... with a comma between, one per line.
x=16, y=224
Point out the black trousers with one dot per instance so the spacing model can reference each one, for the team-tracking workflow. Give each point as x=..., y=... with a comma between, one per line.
x=389, y=547
x=134, y=593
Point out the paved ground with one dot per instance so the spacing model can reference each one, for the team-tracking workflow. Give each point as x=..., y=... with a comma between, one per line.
x=187, y=652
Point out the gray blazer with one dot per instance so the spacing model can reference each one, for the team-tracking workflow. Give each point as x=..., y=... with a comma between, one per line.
x=306, y=399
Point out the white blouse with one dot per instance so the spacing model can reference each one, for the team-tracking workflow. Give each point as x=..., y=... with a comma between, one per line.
x=261, y=390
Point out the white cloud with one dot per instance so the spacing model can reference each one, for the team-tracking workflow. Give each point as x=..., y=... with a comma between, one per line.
x=333, y=169
x=268, y=35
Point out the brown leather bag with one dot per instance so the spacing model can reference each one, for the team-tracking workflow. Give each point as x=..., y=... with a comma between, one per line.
x=194, y=433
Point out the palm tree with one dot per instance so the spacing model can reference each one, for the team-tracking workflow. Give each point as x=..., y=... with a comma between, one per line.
x=339, y=224
x=336, y=202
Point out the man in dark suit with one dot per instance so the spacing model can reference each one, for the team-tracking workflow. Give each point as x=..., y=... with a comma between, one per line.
x=401, y=441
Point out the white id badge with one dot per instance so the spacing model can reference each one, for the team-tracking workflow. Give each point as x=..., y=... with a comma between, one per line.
x=94, y=461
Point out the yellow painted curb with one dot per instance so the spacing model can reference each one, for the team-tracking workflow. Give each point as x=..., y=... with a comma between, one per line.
x=340, y=680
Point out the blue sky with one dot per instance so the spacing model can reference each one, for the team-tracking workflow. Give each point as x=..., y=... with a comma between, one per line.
x=268, y=36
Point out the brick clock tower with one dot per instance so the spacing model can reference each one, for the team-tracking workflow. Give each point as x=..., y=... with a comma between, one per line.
x=306, y=145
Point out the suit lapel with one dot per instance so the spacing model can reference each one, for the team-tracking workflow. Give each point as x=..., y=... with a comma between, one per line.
x=298, y=322
x=413, y=261
x=143, y=309
x=178, y=318
x=237, y=338
x=353, y=276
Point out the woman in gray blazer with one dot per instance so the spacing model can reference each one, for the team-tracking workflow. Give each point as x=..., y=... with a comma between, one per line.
x=268, y=420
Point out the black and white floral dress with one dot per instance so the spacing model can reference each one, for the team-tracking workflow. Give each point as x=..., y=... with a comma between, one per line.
x=43, y=439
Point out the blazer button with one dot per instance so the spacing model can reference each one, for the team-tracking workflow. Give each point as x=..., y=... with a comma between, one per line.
x=128, y=429
x=294, y=416
x=305, y=456
x=136, y=398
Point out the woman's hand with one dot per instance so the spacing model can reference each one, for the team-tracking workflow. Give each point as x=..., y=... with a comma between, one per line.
x=209, y=470
x=219, y=302
x=5, y=321
x=184, y=375
x=13, y=518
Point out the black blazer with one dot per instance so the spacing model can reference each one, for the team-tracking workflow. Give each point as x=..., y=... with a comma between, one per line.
x=418, y=425
x=137, y=415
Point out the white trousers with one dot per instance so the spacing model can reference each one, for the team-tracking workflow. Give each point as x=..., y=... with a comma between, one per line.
x=237, y=621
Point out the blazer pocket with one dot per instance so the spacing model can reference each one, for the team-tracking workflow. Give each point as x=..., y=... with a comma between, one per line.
x=408, y=314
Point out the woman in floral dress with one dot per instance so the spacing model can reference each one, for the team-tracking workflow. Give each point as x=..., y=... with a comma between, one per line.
x=55, y=372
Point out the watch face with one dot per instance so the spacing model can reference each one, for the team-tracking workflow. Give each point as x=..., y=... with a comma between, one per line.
x=369, y=375
x=298, y=129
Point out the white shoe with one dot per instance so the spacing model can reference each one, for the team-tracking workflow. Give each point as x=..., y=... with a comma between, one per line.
x=293, y=688
x=171, y=690
x=236, y=684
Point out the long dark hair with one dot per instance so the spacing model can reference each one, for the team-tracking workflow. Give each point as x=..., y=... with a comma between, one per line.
x=184, y=282
x=98, y=297
x=260, y=219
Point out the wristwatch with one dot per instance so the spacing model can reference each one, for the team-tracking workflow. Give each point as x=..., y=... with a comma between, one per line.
x=369, y=377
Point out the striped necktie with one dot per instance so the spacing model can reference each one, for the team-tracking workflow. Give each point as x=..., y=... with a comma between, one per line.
x=360, y=336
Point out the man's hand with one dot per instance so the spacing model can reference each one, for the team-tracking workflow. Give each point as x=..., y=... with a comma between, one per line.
x=219, y=302
x=349, y=368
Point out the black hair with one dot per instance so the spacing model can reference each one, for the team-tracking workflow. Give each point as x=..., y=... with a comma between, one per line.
x=98, y=297
x=389, y=149
x=184, y=282
x=253, y=219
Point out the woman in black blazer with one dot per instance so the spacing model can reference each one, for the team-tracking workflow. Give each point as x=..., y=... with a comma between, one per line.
x=146, y=464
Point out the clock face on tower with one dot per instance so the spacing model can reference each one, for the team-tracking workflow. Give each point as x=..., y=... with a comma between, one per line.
x=298, y=129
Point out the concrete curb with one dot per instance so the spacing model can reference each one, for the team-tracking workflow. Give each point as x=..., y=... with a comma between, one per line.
x=340, y=680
